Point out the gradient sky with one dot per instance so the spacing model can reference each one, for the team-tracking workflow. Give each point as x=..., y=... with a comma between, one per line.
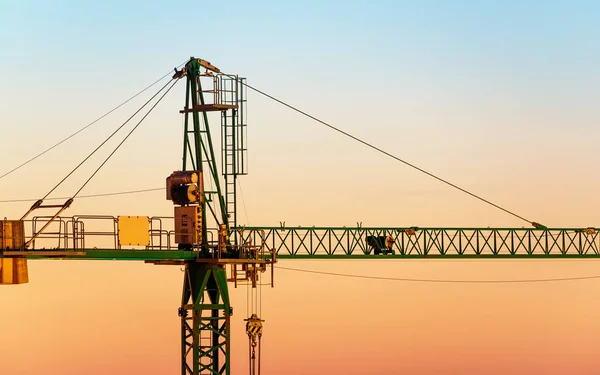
x=496, y=96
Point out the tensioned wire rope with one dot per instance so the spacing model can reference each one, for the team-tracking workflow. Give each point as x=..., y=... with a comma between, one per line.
x=86, y=196
x=379, y=150
x=427, y=173
x=82, y=129
x=334, y=128
x=443, y=281
x=124, y=192
x=362, y=142
x=38, y=203
x=124, y=139
x=108, y=138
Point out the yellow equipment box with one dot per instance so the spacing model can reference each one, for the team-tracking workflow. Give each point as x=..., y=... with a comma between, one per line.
x=12, y=235
x=13, y=271
x=134, y=230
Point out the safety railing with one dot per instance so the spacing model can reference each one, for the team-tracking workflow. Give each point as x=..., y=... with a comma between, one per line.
x=89, y=231
x=311, y=242
x=70, y=233
x=102, y=232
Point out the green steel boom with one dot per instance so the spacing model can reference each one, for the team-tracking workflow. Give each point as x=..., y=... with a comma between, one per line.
x=205, y=244
x=364, y=243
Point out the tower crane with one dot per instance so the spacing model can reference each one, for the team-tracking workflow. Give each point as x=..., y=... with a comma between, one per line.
x=204, y=238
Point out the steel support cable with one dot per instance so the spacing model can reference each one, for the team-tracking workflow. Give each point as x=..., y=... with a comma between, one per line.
x=382, y=151
x=104, y=142
x=577, y=278
x=109, y=194
x=87, y=126
x=243, y=202
x=86, y=196
x=124, y=139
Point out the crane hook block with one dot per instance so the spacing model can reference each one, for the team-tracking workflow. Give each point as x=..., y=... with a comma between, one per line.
x=254, y=327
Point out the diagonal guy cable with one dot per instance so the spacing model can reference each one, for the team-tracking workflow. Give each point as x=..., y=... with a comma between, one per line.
x=85, y=127
x=124, y=139
x=104, y=142
x=86, y=196
x=380, y=150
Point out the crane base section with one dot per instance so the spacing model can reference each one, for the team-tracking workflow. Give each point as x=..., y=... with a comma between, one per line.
x=13, y=271
x=205, y=320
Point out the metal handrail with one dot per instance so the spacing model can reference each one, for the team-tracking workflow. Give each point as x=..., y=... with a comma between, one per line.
x=73, y=233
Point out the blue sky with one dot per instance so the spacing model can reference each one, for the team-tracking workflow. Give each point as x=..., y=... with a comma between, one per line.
x=499, y=97
x=480, y=92
x=317, y=35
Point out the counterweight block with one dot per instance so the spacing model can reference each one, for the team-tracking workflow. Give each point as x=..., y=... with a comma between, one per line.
x=12, y=237
x=13, y=271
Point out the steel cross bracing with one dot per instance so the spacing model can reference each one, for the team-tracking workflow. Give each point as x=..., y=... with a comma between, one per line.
x=323, y=242
x=429, y=242
x=205, y=247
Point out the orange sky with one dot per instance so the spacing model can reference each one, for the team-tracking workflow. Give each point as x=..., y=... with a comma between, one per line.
x=120, y=317
x=497, y=97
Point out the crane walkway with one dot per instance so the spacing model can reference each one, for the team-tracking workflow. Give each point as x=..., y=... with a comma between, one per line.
x=152, y=239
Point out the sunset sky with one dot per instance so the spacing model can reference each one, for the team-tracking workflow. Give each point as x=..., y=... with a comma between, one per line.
x=498, y=97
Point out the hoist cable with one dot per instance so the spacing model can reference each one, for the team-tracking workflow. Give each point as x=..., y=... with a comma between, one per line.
x=444, y=280
x=104, y=142
x=379, y=149
x=124, y=139
x=85, y=127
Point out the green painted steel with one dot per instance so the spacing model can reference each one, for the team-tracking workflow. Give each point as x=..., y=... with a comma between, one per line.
x=212, y=163
x=324, y=242
x=192, y=71
x=205, y=334
x=198, y=142
x=205, y=321
x=438, y=256
x=121, y=254
x=348, y=243
x=174, y=255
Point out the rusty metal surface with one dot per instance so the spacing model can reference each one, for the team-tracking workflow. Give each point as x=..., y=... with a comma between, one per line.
x=188, y=222
x=13, y=271
x=12, y=234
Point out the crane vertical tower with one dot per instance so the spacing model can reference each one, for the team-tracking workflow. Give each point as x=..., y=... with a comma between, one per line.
x=205, y=309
